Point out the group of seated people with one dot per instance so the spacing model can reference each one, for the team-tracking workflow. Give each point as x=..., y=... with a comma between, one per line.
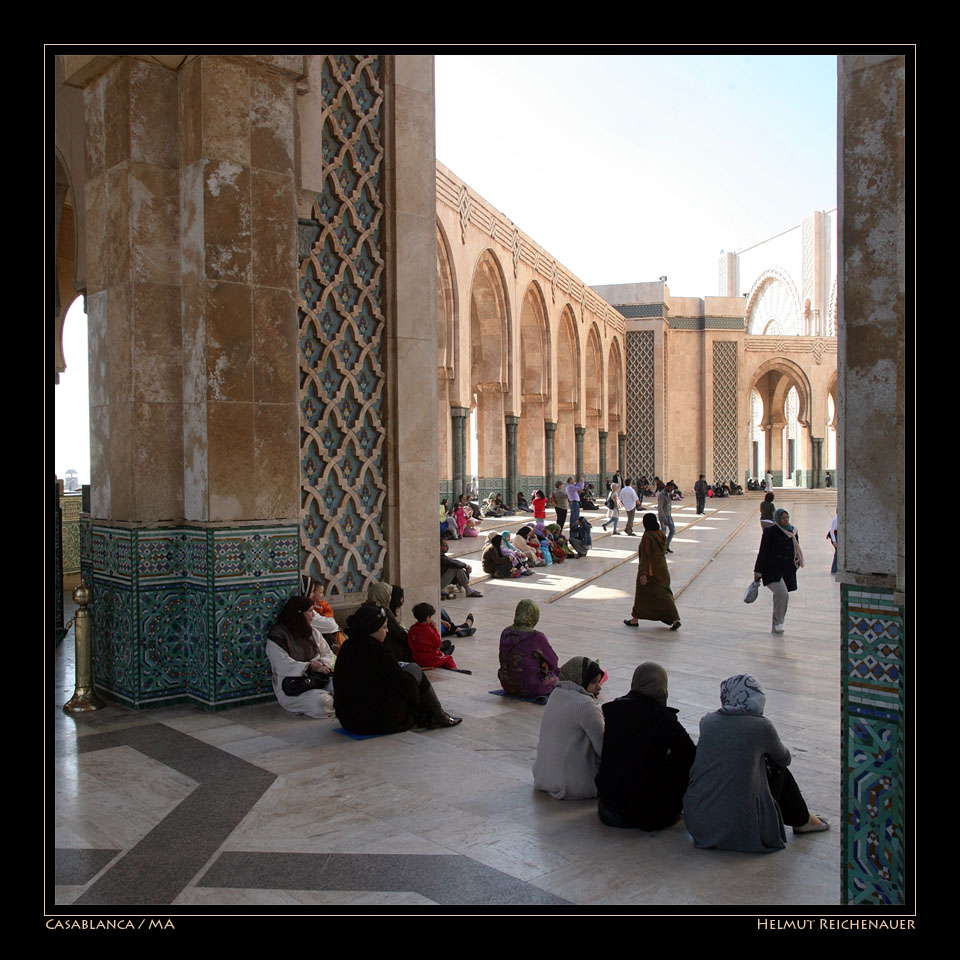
x=732, y=789
x=731, y=489
x=460, y=520
x=375, y=682
x=507, y=555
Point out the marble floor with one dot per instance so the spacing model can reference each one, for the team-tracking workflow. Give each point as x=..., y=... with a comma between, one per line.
x=257, y=807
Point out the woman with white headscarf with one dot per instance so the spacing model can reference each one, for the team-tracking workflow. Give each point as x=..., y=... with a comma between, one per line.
x=741, y=793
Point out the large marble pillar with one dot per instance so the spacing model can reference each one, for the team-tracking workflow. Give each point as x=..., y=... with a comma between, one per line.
x=549, y=443
x=579, y=434
x=622, y=454
x=877, y=755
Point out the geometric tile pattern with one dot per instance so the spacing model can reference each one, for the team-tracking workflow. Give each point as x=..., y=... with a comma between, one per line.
x=58, y=629
x=182, y=613
x=340, y=307
x=641, y=425
x=70, y=526
x=724, y=409
x=873, y=761
x=634, y=310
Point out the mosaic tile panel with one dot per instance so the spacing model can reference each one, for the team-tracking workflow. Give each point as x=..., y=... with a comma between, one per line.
x=641, y=425
x=724, y=409
x=340, y=309
x=635, y=310
x=873, y=762
x=190, y=619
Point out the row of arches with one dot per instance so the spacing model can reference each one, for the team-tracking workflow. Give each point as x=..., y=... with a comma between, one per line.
x=538, y=383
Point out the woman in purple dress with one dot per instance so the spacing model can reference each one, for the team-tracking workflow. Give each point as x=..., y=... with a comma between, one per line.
x=528, y=665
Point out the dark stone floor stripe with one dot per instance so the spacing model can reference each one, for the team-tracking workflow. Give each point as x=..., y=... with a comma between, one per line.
x=163, y=862
x=77, y=866
x=448, y=880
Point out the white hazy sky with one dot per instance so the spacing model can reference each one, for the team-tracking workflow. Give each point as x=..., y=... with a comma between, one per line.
x=626, y=168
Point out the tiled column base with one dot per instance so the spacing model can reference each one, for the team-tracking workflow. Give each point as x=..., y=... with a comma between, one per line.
x=874, y=742
x=182, y=613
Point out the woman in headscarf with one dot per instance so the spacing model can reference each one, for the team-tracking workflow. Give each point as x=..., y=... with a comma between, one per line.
x=528, y=665
x=560, y=543
x=740, y=792
x=519, y=544
x=494, y=562
x=645, y=764
x=391, y=599
x=571, y=733
x=777, y=563
x=375, y=694
x=299, y=655
x=653, y=598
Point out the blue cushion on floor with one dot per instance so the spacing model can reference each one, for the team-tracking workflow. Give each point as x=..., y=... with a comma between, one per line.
x=359, y=736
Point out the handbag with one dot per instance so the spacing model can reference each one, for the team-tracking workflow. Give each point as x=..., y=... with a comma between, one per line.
x=752, y=591
x=295, y=686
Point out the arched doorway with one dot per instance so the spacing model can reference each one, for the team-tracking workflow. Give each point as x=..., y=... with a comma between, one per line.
x=780, y=411
x=593, y=411
x=615, y=407
x=450, y=446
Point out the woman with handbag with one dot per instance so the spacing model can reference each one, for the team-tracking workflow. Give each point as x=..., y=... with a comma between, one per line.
x=777, y=563
x=301, y=660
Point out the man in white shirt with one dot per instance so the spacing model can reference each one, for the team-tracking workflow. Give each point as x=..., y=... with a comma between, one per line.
x=629, y=498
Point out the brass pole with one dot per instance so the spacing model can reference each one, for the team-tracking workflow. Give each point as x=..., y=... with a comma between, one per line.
x=84, y=698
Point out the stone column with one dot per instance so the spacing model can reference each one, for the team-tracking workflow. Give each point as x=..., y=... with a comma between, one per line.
x=550, y=437
x=602, y=465
x=816, y=462
x=877, y=759
x=579, y=434
x=622, y=454
x=458, y=417
x=511, y=425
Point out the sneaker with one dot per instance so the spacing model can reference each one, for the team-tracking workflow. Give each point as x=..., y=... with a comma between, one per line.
x=777, y=628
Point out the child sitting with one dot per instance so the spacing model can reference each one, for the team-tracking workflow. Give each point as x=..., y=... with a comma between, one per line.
x=424, y=640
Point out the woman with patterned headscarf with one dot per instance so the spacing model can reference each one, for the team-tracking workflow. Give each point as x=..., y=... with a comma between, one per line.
x=528, y=665
x=778, y=561
x=645, y=764
x=741, y=793
x=571, y=733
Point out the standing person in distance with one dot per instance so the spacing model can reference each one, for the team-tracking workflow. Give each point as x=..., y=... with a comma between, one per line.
x=700, y=489
x=665, y=511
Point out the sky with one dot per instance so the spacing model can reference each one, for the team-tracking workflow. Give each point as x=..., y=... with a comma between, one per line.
x=628, y=168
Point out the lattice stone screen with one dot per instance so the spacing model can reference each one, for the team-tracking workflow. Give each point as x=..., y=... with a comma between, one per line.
x=341, y=326
x=640, y=403
x=724, y=410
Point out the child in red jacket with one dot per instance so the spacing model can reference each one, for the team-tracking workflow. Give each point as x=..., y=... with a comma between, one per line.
x=424, y=639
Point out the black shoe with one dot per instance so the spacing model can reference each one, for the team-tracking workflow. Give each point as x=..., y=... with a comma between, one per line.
x=445, y=720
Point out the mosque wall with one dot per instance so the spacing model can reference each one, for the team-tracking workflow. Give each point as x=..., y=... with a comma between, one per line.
x=198, y=284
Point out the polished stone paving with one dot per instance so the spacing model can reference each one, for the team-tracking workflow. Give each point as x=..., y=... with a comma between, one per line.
x=254, y=806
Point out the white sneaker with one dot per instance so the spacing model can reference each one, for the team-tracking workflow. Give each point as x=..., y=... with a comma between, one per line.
x=777, y=628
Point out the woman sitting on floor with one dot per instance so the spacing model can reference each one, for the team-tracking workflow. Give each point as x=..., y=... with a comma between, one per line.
x=521, y=543
x=571, y=733
x=645, y=764
x=391, y=599
x=375, y=694
x=741, y=792
x=528, y=665
x=301, y=661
